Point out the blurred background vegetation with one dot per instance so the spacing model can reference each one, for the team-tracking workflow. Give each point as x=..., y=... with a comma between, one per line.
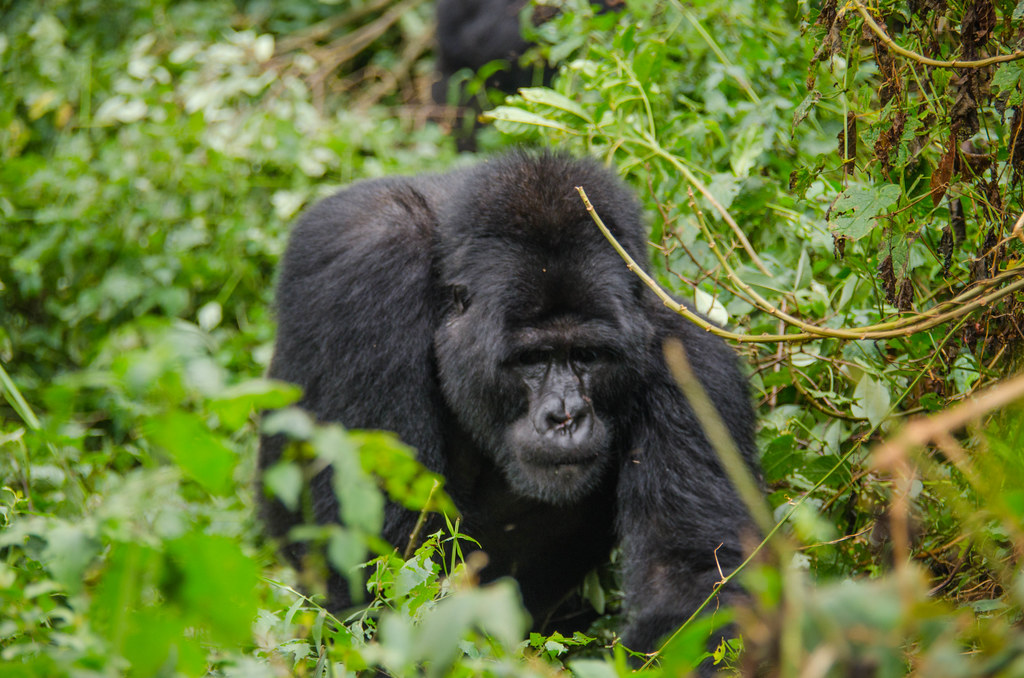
x=830, y=181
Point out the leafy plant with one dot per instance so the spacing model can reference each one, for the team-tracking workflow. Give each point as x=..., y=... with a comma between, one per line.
x=824, y=181
x=850, y=207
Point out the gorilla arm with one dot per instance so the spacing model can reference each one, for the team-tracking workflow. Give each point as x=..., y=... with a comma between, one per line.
x=355, y=325
x=679, y=519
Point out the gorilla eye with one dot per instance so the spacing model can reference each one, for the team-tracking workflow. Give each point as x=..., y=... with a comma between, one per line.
x=534, y=357
x=584, y=355
x=460, y=298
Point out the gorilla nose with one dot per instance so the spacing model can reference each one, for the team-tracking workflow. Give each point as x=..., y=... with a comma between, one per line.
x=564, y=417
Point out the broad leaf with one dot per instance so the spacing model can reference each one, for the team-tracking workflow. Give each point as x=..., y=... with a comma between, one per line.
x=854, y=212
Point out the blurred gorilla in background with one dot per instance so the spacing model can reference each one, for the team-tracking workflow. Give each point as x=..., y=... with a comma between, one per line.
x=473, y=33
x=483, y=317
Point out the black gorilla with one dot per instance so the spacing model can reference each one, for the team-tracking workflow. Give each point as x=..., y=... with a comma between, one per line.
x=473, y=33
x=482, y=316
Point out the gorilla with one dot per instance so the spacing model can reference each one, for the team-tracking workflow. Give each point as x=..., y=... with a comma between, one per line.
x=473, y=33
x=482, y=316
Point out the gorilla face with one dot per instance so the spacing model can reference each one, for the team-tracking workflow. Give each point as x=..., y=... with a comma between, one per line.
x=538, y=410
x=559, y=446
x=534, y=357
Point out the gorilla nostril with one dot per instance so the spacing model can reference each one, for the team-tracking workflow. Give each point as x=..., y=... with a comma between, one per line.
x=557, y=418
x=566, y=420
x=576, y=409
x=551, y=418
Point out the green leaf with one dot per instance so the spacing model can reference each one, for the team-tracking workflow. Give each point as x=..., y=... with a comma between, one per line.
x=988, y=605
x=710, y=306
x=648, y=60
x=806, y=355
x=685, y=650
x=69, y=551
x=594, y=592
x=780, y=458
x=804, y=109
x=828, y=469
x=898, y=249
x=17, y=401
x=965, y=372
x=405, y=479
x=932, y=402
x=854, y=212
x=1008, y=75
x=518, y=115
x=293, y=422
x=1009, y=78
x=810, y=526
x=496, y=610
x=199, y=453
x=724, y=188
x=285, y=482
x=346, y=551
x=592, y=668
x=803, y=271
x=131, y=570
x=554, y=648
x=871, y=400
x=746, y=148
x=218, y=585
x=418, y=573
x=549, y=97
x=234, y=404
x=627, y=38
x=362, y=505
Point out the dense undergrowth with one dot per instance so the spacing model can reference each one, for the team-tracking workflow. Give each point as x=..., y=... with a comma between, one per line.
x=842, y=197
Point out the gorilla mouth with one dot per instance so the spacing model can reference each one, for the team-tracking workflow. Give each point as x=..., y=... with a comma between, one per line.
x=562, y=458
x=556, y=476
x=560, y=448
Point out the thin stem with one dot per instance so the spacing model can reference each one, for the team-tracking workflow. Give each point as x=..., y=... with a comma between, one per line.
x=718, y=435
x=414, y=536
x=652, y=129
x=738, y=76
x=655, y=148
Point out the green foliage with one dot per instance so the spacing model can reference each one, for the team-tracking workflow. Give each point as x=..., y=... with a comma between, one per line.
x=821, y=186
x=801, y=179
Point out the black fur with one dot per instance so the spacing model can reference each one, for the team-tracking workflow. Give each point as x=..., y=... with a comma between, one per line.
x=482, y=316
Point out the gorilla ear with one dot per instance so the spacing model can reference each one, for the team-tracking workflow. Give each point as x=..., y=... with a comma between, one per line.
x=460, y=298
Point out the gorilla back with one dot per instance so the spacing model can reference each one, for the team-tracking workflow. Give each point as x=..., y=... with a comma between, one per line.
x=483, y=317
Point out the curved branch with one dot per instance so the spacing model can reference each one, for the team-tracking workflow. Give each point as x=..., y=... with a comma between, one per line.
x=921, y=431
x=920, y=58
x=654, y=147
x=830, y=410
x=960, y=306
x=894, y=328
x=650, y=282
